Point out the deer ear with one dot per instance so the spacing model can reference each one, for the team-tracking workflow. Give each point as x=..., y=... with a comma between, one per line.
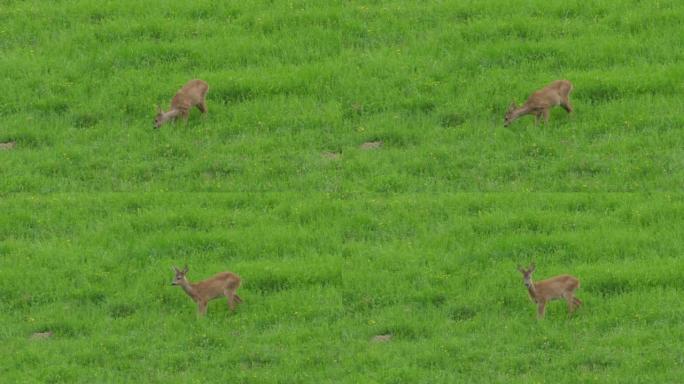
x=185, y=270
x=159, y=110
x=176, y=269
x=521, y=269
x=532, y=267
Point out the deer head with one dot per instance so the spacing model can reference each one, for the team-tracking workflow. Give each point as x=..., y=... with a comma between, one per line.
x=180, y=279
x=159, y=118
x=527, y=274
x=510, y=116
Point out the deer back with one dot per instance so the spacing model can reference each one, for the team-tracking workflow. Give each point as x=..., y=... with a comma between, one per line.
x=555, y=287
x=216, y=285
x=192, y=93
x=551, y=95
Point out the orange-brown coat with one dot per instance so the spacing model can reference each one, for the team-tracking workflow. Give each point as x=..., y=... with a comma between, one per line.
x=558, y=287
x=540, y=102
x=221, y=284
x=191, y=95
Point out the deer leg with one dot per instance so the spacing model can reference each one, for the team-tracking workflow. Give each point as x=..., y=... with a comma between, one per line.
x=545, y=114
x=202, y=308
x=541, y=307
x=202, y=107
x=230, y=295
x=237, y=299
x=571, y=303
x=565, y=103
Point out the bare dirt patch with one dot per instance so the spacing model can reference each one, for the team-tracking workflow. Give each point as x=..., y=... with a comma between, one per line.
x=371, y=145
x=8, y=145
x=381, y=338
x=331, y=155
x=41, y=335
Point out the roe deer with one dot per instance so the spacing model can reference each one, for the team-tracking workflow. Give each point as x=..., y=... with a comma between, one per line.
x=539, y=104
x=557, y=287
x=221, y=284
x=192, y=94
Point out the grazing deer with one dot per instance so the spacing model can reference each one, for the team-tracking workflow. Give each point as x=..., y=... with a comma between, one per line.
x=541, y=102
x=557, y=287
x=221, y=284
x=192, y=94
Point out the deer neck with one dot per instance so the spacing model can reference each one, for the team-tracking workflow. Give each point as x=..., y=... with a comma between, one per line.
x=523, y=110
x=189, y=289
x=170, y=114
x=531, y=290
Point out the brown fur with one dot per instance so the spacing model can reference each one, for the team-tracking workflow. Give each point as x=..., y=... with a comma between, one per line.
x=558, y=287
x=191, y=95
x=540, y=103
x=221, y=284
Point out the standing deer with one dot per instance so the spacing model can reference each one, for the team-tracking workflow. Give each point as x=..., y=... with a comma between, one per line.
x=557, y=287
x=221, y=284
x=540, y=103
x=192, y=94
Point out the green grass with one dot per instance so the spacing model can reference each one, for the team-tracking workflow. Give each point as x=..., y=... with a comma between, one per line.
x=292, y=79
x=419, y=239
x=322, y=276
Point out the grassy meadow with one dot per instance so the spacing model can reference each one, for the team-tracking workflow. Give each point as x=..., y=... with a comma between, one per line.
x=335, y=244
